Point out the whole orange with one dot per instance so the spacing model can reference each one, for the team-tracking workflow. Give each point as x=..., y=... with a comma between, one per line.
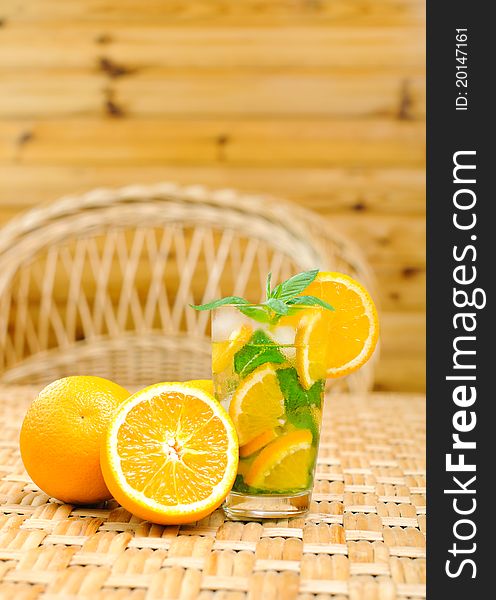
x=61, y=436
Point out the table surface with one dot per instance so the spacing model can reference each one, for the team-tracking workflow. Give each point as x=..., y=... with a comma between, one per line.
x=364, y=537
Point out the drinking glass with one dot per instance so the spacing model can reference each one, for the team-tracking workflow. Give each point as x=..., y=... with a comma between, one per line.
x=270, y=377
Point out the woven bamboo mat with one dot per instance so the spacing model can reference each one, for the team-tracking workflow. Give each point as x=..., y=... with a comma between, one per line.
x=364, y=538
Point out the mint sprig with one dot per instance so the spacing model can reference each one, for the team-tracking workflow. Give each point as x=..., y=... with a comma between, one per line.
x=283, y=299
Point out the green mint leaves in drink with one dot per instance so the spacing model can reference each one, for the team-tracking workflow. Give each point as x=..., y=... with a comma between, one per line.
x=259, y=350
x=300, y=404
x=305, y=418
x=295, y=395
x=284, y=299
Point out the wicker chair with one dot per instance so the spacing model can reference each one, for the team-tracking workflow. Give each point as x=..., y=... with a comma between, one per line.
x=100, y=283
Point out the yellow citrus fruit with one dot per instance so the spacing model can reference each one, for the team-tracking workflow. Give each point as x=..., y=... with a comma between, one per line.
x=61, y=436
x=347, y=335
x=259, y=442
x=207, y=385
x=311, y=339
x=170, y=454
x=257, y=404
x=223, y=352
x=284, y=464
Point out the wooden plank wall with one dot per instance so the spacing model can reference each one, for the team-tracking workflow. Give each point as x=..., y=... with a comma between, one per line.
x=318, y=101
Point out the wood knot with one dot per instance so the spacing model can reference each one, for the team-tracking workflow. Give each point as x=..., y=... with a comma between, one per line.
x=113, y=69
x=25, y=137
x=359, y=206
x=222, y=141
x=409, y=272
x=103, y=38
x=112, y=108
x=406, y=102
x=313, y=5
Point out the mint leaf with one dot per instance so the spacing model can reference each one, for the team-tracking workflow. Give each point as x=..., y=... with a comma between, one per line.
x=257, y=313
x=276, y=291
x=267, y=285
x=240, y=485
x=296, y=284
x=309, y=301
x=259, y=350
x=236, y=300
x=277, y=306
x=295, y=395
x=294, y=310
x=304, y=418
x=315, y=393
x=243, y=488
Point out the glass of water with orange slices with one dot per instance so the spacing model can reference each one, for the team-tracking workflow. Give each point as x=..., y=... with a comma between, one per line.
x=270, y=362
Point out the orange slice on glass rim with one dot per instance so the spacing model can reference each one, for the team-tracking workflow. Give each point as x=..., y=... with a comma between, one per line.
x=170, y=454
x=347, y=335
x=311, y=342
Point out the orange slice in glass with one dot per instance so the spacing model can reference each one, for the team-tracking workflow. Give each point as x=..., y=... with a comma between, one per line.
x=284, y=464
x=170, y=454
x=256, y=444
x=223, y=352
x=257, y=404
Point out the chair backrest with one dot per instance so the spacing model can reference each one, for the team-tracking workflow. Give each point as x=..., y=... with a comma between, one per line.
x=101, y=283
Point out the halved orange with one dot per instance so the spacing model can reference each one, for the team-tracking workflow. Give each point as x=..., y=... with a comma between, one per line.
x=284, y=464
x=348, y=335
x=223, y=352
x=207, y=385
x=257, y=404
x=170, y=454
